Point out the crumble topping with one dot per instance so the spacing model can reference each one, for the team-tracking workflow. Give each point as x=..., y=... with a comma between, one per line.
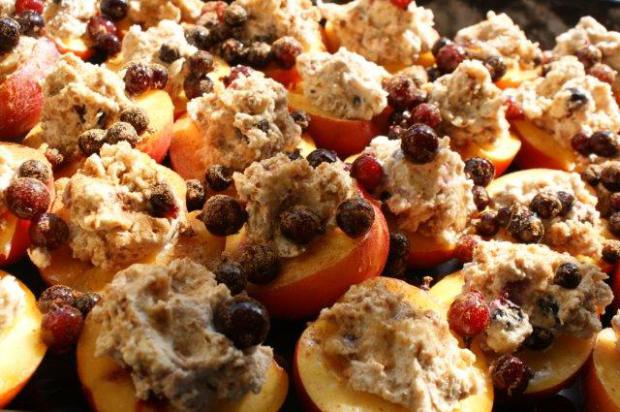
x=404, y=355
x=472, y=107
x=272, y=19
x=381, y=31
x=158, y=322
x=79, y=96
x=525, y=274
x=107, y=204
x=7, y=7
x=549, y=102
x=343, y=84
x=579, y=231
x=498, y=35
x=244, y=122
x=67, y=19
x=274, y=185
x=590, y=32
x=432, y=199
x=150, y=12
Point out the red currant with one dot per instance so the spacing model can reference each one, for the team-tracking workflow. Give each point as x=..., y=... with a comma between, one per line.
x=367, y=171
x=32, y=5
x=61, y=328
x=403, y=4
x=469, y=314
x=465, y=248
x=510, y=375
x=514, y=111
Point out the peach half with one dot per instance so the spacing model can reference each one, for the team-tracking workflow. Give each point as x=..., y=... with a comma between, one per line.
x=322, y=388
x=501, y=153
x=539, y=149
x=21, y=98
x=554, y=368
x=22, y=347
x=602, y=377
x=109, y=388
x=318, y=277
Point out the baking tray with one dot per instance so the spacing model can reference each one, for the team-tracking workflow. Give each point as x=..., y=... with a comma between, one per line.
x=55, y=387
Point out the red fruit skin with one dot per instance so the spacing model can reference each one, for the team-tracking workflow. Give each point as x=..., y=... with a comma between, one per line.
x=61, y=328
x=403, y=4
x=468, y=314
x=514, y=111
x=33, y=5
x=21, y=98
x=367, y=171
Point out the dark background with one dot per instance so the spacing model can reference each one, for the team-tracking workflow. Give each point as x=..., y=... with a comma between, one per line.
x=55, y=387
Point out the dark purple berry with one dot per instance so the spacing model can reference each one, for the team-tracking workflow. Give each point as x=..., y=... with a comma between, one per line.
x=115, y=10
x=567, y=275
x=218, y=178
x=285, y=51
x=260, y=263
x=243, y=320
x=355, y=217
x=223, y=215
x=481, y=171
x=138, y=78
x=449, y=57
x=318, y=156
x=161, y=202
x=300, y=224
x=35, y=169
x=231, y=274
x=195, y=196
x=48, y=231
x=420, y=143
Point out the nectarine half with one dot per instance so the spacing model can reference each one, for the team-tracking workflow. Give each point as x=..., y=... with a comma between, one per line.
x=322, y=388
x=554, y=368
x=21, y=347
x=21, y=98
x=109, y=388
x=315, y=279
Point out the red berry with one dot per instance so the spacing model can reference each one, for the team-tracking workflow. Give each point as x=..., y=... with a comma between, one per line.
x=235, y=73
x=61, y=328
x=514, y=111
x=367, y=171
x=465, y=248
x=100, y=25
x=27, y=197
x=468, y=314
x=426, y=113
x=32, y=5
x=449, y=57
x=510, y=375
x=403, y=4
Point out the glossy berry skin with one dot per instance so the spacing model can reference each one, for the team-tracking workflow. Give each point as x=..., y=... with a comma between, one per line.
x=546, y=205
x=30, y=22
x=510, y=375
x=48, y=231
x=426, y=113
x=98, y=25
x=231, y=274
x=603, y=143
x=469, y=314
x=480, y=170
x=115, y=10
x=449, y=57
x=367, y=171
x=318, y=156
x=403, y=92
x=200, y=63
x=420, y=144
x=581, y=143
x=567, y=275
x=108, y=43
x=403, y=4
x=61, y=328
x=29, y=5
x=138, y=78
x=196, y=86
x=285, y=51
x=355, y=217
x=27, y=197
x=9, y=34
x=243, y=320
x=464, y=251
x=35, y=169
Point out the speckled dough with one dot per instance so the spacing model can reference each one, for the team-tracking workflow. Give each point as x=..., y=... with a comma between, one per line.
x=404, y=355
x=580, y=231
x=272, y=19
x=67, y=19
x=344, y=84
x=270, y=187
x=107, y=203
x=79, y=96
x=245, y=122
x=498, y=35
x=527, y=271
x=158, y=322
x=545, y=101
x=432, y=199
x=150, y=12
x=471, y=106
x=381, y=31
